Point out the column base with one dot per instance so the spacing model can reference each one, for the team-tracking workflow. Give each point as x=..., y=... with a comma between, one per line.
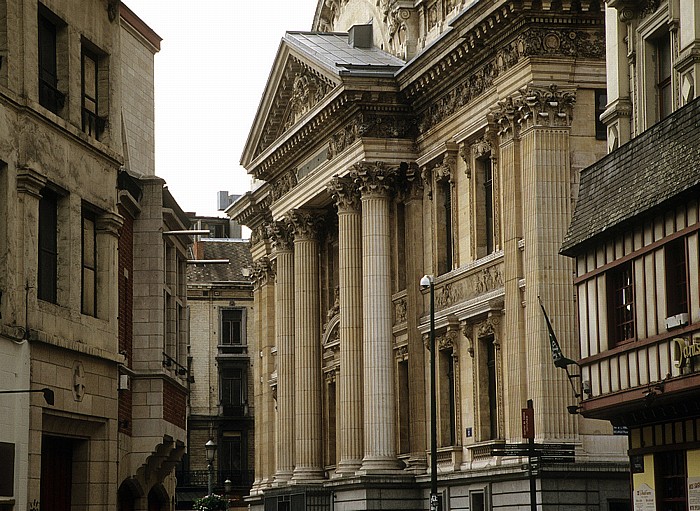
x=308, y=475
x=282, y=478
x=417, y=465
x=347, y=468
x=380, y=465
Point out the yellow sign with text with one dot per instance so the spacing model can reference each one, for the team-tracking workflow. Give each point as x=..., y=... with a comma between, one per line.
x=685, y=350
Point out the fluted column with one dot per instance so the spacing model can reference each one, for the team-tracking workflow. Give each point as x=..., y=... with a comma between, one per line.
x=307, y=349
x=350, y=442
x=280, y=236
x=379, y=394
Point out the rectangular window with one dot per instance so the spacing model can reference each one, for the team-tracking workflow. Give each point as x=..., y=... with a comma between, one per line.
x=676, y=277
x=233, y=390
x=404, y=408
x=446, y=226
x=671, y=481
x=492, y=388
x=664, y=93
x=89, y=92
x=7, y=469
x=446, y=386
x=231, y=327
x=49, y=95
x=620, y=284
x=47, y=271
x=601, y=101
x=477, y=500
x=233, y=456
x=488, y=204
x=89, y=264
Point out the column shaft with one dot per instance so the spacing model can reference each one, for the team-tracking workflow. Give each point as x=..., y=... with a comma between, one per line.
x=350, y=266
x=379, y=393
x=284, y=313
x=307, y=361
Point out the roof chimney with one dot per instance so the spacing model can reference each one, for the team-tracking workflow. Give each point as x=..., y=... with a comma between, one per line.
x=360, y=36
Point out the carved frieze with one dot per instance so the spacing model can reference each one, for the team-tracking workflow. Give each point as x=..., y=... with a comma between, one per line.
x=469, y=287
x=400, y=310
x=283, y=184
x=369, y=125
x=532, y=42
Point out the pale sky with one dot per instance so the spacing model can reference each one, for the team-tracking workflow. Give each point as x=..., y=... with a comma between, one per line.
x=211, y=71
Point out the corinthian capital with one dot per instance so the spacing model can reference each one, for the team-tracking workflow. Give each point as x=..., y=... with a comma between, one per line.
x=305, y=224
x=373, y=178
x=345, y=194
x=280, y=234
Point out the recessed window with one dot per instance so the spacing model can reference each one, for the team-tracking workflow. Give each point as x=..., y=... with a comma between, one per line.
x=676, y=277
x=444, y=226
x=233, y=390
x=664, y=92
x=232, y=327
x=49, y=27
x=89, y=264
x=93, y=91
x=484, y=202
x=47, y=269
x=620, y=283
x=601, y=100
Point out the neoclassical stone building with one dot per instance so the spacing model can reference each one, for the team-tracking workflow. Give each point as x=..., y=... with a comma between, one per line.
x=442, y=138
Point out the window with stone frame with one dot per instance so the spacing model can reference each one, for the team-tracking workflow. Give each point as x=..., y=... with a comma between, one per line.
x=676, y=275
x=484, y=232
x=620, y=295
x=444, y=228
x=94, y=90
x=487, y=381
x=47, y=268
x=232, y=331
x=403, y=405
x=330, y=419
x=601, y=100
x=446, y=385
x=663, y=61
x=89, y=262
x=233, y=389
x=52, y=65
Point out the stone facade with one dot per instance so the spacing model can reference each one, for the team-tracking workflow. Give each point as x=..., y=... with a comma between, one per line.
x=461, y=163
x=68, y=290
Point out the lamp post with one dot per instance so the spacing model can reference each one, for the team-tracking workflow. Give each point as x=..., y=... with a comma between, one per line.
x=210, y=446
x=228, y=489
x=428, y=282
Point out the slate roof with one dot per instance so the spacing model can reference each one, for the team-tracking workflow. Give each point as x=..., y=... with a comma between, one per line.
x=332, y=51
x=655, y=167
x=236, y=251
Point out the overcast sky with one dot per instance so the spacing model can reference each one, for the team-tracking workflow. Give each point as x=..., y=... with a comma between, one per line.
x=211, y=70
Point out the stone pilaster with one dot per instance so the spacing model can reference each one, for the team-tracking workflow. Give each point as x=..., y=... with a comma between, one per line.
x=350, y=441
x=281, y=239
x=544, y=117
x=307, y=349
x=263, y=294
x=374, y=181
x=415, y=268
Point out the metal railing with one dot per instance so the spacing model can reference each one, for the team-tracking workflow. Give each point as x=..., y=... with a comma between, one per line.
x=240, y=479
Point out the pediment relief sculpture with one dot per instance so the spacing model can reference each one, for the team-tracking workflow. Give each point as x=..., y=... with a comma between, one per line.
x=307, y=91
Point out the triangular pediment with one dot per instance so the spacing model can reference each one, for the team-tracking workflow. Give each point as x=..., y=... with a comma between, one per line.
x=295, y=87
x=308, y=72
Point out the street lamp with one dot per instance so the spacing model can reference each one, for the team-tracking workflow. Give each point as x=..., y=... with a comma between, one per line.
x=427, y=282
x=210, y=446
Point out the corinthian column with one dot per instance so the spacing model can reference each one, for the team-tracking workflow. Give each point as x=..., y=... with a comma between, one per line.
x=379, y=395
x=280, y=236
x=350, y=267
x=307, y=349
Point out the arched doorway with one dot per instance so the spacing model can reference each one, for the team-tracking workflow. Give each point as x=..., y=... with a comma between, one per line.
x=158, y=499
